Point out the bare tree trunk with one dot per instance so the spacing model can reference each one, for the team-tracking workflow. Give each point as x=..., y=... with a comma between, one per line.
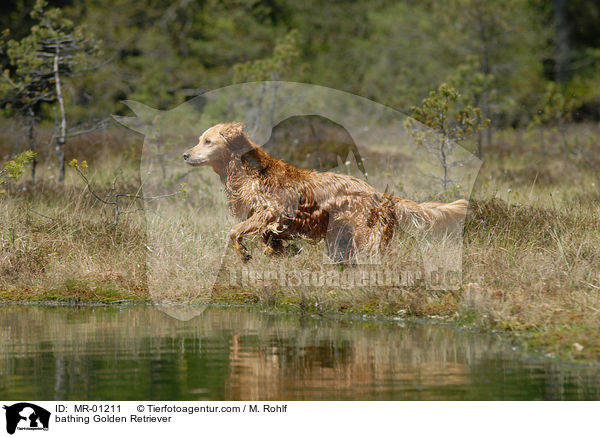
x=485, y=102
x=31, y=140
x=62, y=133
x=561, y=33
x=444, y=164
x=484, y=40
x=14, y=150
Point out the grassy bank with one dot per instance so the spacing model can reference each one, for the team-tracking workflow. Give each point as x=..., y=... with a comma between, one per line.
x=530, y=256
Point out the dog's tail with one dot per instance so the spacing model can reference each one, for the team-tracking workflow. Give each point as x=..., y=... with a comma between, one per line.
x=447, y=218
x=436, y=217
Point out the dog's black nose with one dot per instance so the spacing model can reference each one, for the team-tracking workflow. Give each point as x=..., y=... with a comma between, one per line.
x=186, y=155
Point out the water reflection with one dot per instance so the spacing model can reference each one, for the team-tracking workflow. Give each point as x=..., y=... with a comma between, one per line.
x=136, y=353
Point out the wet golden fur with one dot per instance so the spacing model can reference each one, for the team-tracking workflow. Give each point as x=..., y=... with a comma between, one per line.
x=280, y=202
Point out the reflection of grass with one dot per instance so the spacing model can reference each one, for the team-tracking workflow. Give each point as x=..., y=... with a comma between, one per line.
x=244, y=354
x=530, y=260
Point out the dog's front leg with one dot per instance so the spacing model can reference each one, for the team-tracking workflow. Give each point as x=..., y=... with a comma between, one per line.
x=249, y=227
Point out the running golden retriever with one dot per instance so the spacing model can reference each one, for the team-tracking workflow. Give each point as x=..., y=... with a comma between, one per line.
x=280, y=202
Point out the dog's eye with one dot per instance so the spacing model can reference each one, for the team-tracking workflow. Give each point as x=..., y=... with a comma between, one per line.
x=207, y=141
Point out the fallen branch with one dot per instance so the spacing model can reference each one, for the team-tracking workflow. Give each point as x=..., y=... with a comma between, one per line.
x=116, y=196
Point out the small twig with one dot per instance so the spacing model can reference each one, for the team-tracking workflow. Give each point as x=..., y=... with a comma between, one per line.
x=94, y=128
x=116, y=196
x=590, y=285
x=89, y=187
x=42, y=215
x=130, y=211
x=148, y=198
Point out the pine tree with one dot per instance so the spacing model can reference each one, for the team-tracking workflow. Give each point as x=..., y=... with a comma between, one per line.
x=54, y=49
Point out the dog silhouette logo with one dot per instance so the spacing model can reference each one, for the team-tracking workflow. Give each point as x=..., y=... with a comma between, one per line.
x=26, y=416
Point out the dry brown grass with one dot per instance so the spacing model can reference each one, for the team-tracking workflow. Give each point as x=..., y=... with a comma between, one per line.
x=530, y=261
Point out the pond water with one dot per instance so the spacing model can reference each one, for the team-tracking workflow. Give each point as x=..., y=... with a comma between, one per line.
x=141, y=353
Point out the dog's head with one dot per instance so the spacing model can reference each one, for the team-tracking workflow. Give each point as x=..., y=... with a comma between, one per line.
x=217, y=144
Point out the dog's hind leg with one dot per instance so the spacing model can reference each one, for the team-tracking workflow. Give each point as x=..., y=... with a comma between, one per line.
x=340, y=241
x=273, y=244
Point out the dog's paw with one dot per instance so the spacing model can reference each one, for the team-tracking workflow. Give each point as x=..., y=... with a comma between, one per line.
x=293, y=250
x=270, y=251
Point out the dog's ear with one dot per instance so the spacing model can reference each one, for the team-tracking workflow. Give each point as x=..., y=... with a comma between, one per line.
x=236, y=139
x=238, y=143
